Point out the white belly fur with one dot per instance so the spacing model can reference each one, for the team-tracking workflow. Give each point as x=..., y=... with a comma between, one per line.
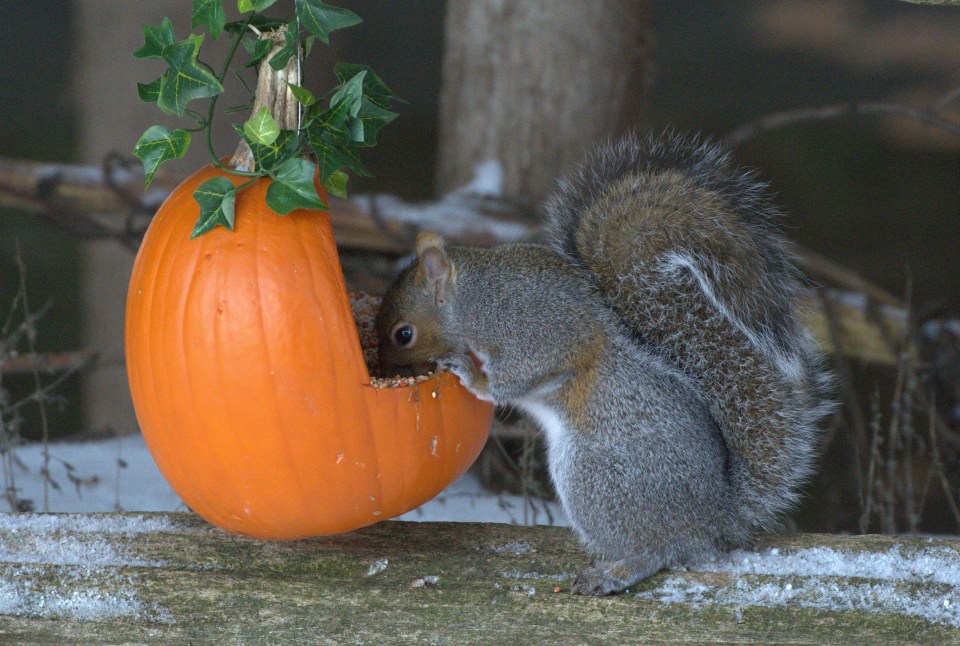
x=558, y=436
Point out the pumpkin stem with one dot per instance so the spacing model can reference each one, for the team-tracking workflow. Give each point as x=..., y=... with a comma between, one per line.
x=274, y=94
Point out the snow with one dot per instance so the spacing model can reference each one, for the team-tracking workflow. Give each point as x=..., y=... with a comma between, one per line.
x=76, y=540
x=100, y=483
x=937, y=564
x=924, y=584
x=82, y=550
x=25, y=592
x=487, y=180
x=109, y=475
x=459, y=212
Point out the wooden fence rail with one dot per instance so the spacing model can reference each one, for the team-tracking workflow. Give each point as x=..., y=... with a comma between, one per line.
x=173, y=579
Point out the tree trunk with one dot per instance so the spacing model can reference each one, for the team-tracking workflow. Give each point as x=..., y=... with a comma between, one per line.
x=533, y=83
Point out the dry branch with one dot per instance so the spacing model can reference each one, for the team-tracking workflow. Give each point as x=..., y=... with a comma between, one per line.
x=106, y=202
x=46, y=363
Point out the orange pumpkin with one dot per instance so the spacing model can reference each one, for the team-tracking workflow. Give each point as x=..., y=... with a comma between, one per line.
x=250, y=387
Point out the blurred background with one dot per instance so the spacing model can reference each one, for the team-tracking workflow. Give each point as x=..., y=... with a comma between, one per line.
x=877, y=194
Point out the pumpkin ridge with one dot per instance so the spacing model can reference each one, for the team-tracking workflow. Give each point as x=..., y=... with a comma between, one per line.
x=314, y=291
x=142, y=286
x=187, y=256
x=220, y=349
x=282, y=440
x=161, y=281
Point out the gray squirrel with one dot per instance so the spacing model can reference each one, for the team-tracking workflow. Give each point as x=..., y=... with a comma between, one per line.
x=656, y=341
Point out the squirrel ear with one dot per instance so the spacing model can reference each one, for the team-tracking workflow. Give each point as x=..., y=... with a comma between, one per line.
x=438, y=271
x=428, y=240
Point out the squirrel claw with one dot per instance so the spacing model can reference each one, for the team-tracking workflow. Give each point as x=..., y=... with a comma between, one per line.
x=605, y=578
x=459, y=364
x=597, y=582
x=463, y=366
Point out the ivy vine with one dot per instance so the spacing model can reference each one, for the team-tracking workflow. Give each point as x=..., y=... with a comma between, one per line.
x=331, y=128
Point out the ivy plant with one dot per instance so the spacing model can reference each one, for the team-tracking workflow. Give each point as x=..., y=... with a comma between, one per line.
x=331, y=128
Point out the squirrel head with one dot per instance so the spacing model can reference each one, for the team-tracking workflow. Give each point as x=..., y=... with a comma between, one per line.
x=410, y=322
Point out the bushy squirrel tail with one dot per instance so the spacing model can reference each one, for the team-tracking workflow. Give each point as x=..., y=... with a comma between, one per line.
x=684, y=249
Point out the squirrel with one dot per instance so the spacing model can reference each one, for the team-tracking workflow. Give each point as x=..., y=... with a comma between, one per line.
x=657, y=342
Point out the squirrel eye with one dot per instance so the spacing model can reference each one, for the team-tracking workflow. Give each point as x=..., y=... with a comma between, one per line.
x=404, y=335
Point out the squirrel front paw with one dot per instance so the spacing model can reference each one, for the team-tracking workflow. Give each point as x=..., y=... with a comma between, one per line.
x=464, y=367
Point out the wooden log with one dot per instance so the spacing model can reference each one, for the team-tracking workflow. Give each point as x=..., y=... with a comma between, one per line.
x=95, y=202
x=856, y=326
x=173, y=579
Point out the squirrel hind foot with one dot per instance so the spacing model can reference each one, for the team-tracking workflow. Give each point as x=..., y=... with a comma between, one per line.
x=603, y=578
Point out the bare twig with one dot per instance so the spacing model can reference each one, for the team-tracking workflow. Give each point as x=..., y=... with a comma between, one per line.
x=938, y=468
x=947, y=99
x=822, y=269
x=875, y=440
x=888, y=520
x=845, y=376
x=49, y=362
x=32, y=364
x=31, y=336
x=930, y=116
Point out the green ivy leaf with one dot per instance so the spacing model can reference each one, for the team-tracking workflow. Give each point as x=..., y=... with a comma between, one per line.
x=374, y=89
x=253, y=5
x=257, y=48
x=334, y=119
x=292, y=187
x=337, y=184
x=185, y=81
x=217, y=198
x=373, y=118
x=268, y=157
x=371, y=110
x=320, y=19
x=261, y=128
x=356, y=130
x=155, y=39
x=332, y=153
x=279, y=60
x=157, y=145
x=352, y=90
x=209, y=14
x=149, y=92
x=303, y=95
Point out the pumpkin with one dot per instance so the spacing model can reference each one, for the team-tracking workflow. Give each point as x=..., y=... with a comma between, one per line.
x=250, y=387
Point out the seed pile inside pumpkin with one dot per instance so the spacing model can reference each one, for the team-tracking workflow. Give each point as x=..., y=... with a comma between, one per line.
x=365, y=308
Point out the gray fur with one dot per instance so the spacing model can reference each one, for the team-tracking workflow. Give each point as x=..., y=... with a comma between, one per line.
x=640, y=466
x=657, y=343
x=729, y=319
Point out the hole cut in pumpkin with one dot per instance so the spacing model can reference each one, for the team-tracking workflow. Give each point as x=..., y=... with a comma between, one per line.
x=365, y=308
